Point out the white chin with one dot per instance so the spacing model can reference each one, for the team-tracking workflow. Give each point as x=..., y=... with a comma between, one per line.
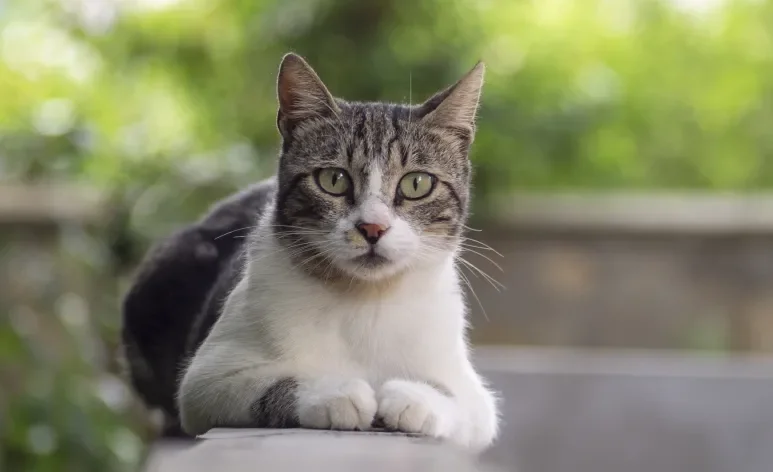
x=371, y=268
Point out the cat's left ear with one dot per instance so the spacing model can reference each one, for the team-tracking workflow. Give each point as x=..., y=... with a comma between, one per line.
x=301, y=94
x=455, y=107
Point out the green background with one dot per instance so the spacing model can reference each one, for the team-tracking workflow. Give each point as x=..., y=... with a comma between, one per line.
x=167, y=105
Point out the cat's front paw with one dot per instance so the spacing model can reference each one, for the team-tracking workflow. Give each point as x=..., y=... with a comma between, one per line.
x=415, y=407
x=337, y=404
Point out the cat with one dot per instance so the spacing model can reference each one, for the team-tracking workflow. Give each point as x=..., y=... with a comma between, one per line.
x=342, y=307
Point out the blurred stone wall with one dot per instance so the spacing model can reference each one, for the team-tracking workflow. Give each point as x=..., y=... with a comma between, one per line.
x=640, y=276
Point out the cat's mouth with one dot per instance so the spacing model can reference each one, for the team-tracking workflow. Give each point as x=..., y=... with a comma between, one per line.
x=371, y=259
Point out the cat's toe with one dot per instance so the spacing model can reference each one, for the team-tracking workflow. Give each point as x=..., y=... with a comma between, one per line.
x=348, y=405
x=414, y=407
x=355, y=408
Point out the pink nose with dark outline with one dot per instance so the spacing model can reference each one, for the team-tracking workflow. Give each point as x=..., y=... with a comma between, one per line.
x=372, y=232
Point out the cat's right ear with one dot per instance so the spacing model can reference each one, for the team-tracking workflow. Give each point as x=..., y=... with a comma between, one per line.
x=301, y=94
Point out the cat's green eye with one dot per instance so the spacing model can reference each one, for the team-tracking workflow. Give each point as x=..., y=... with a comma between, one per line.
x=417, y=185
x=334, y=181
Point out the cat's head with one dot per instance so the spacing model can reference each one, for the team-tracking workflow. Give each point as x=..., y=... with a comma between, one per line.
x=369, y=190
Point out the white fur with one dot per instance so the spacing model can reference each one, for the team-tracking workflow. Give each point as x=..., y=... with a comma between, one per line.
x=337, y=403
x=400, y=244
x=355, y=353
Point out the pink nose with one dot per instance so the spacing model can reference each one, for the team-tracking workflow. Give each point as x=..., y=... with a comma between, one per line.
x=372, y=232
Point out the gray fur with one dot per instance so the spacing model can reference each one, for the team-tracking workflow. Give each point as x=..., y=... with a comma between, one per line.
x=320, y=131
x=276, y=407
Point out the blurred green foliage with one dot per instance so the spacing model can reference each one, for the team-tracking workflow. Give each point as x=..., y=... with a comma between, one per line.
x=169, y=104
x=151, y=97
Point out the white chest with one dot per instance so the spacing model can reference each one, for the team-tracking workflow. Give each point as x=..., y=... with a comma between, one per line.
x=396, y=333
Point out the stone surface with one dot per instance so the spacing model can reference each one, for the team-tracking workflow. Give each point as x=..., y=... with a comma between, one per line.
x=633, y=412
x=306, y=450
x=562, y=411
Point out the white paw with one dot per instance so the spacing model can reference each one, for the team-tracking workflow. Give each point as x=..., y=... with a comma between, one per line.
x=414, y=407
x=336, y=404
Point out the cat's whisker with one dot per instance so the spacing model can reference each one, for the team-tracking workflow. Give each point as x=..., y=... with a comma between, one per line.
x=304, y=248
x=469, y=286
x=306, y=231
x=485, y=257
x=491, y=280
x=286, y=233
x=293, y=250
x=464, y=241
x=324, y=258
x=329, y=267
x=318, y=254
x=498, y=286
x=473, y=246
x=472, y=272
x=483, y=244
x=234, y=231
x=293, y=226
x=298, y=244
x=301, y=252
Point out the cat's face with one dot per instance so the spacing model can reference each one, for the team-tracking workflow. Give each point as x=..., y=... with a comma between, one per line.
x=367, y=191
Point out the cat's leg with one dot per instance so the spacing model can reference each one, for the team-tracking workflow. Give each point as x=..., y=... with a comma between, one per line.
x=336, y=403
x=461, y=410
x=418, y=407
x=226, y=386
x=229, y=386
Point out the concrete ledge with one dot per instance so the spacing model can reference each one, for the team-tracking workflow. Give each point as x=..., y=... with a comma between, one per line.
x=242, y=450
x=633, y=411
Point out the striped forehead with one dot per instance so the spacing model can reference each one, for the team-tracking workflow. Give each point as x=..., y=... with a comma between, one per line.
x=374, y=131
x=374, y=145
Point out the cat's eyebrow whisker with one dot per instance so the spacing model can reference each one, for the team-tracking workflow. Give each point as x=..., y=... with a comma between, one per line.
x=410, y=95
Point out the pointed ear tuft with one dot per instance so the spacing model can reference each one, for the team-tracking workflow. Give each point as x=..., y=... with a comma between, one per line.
x=456, y=106
x=301, y=94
